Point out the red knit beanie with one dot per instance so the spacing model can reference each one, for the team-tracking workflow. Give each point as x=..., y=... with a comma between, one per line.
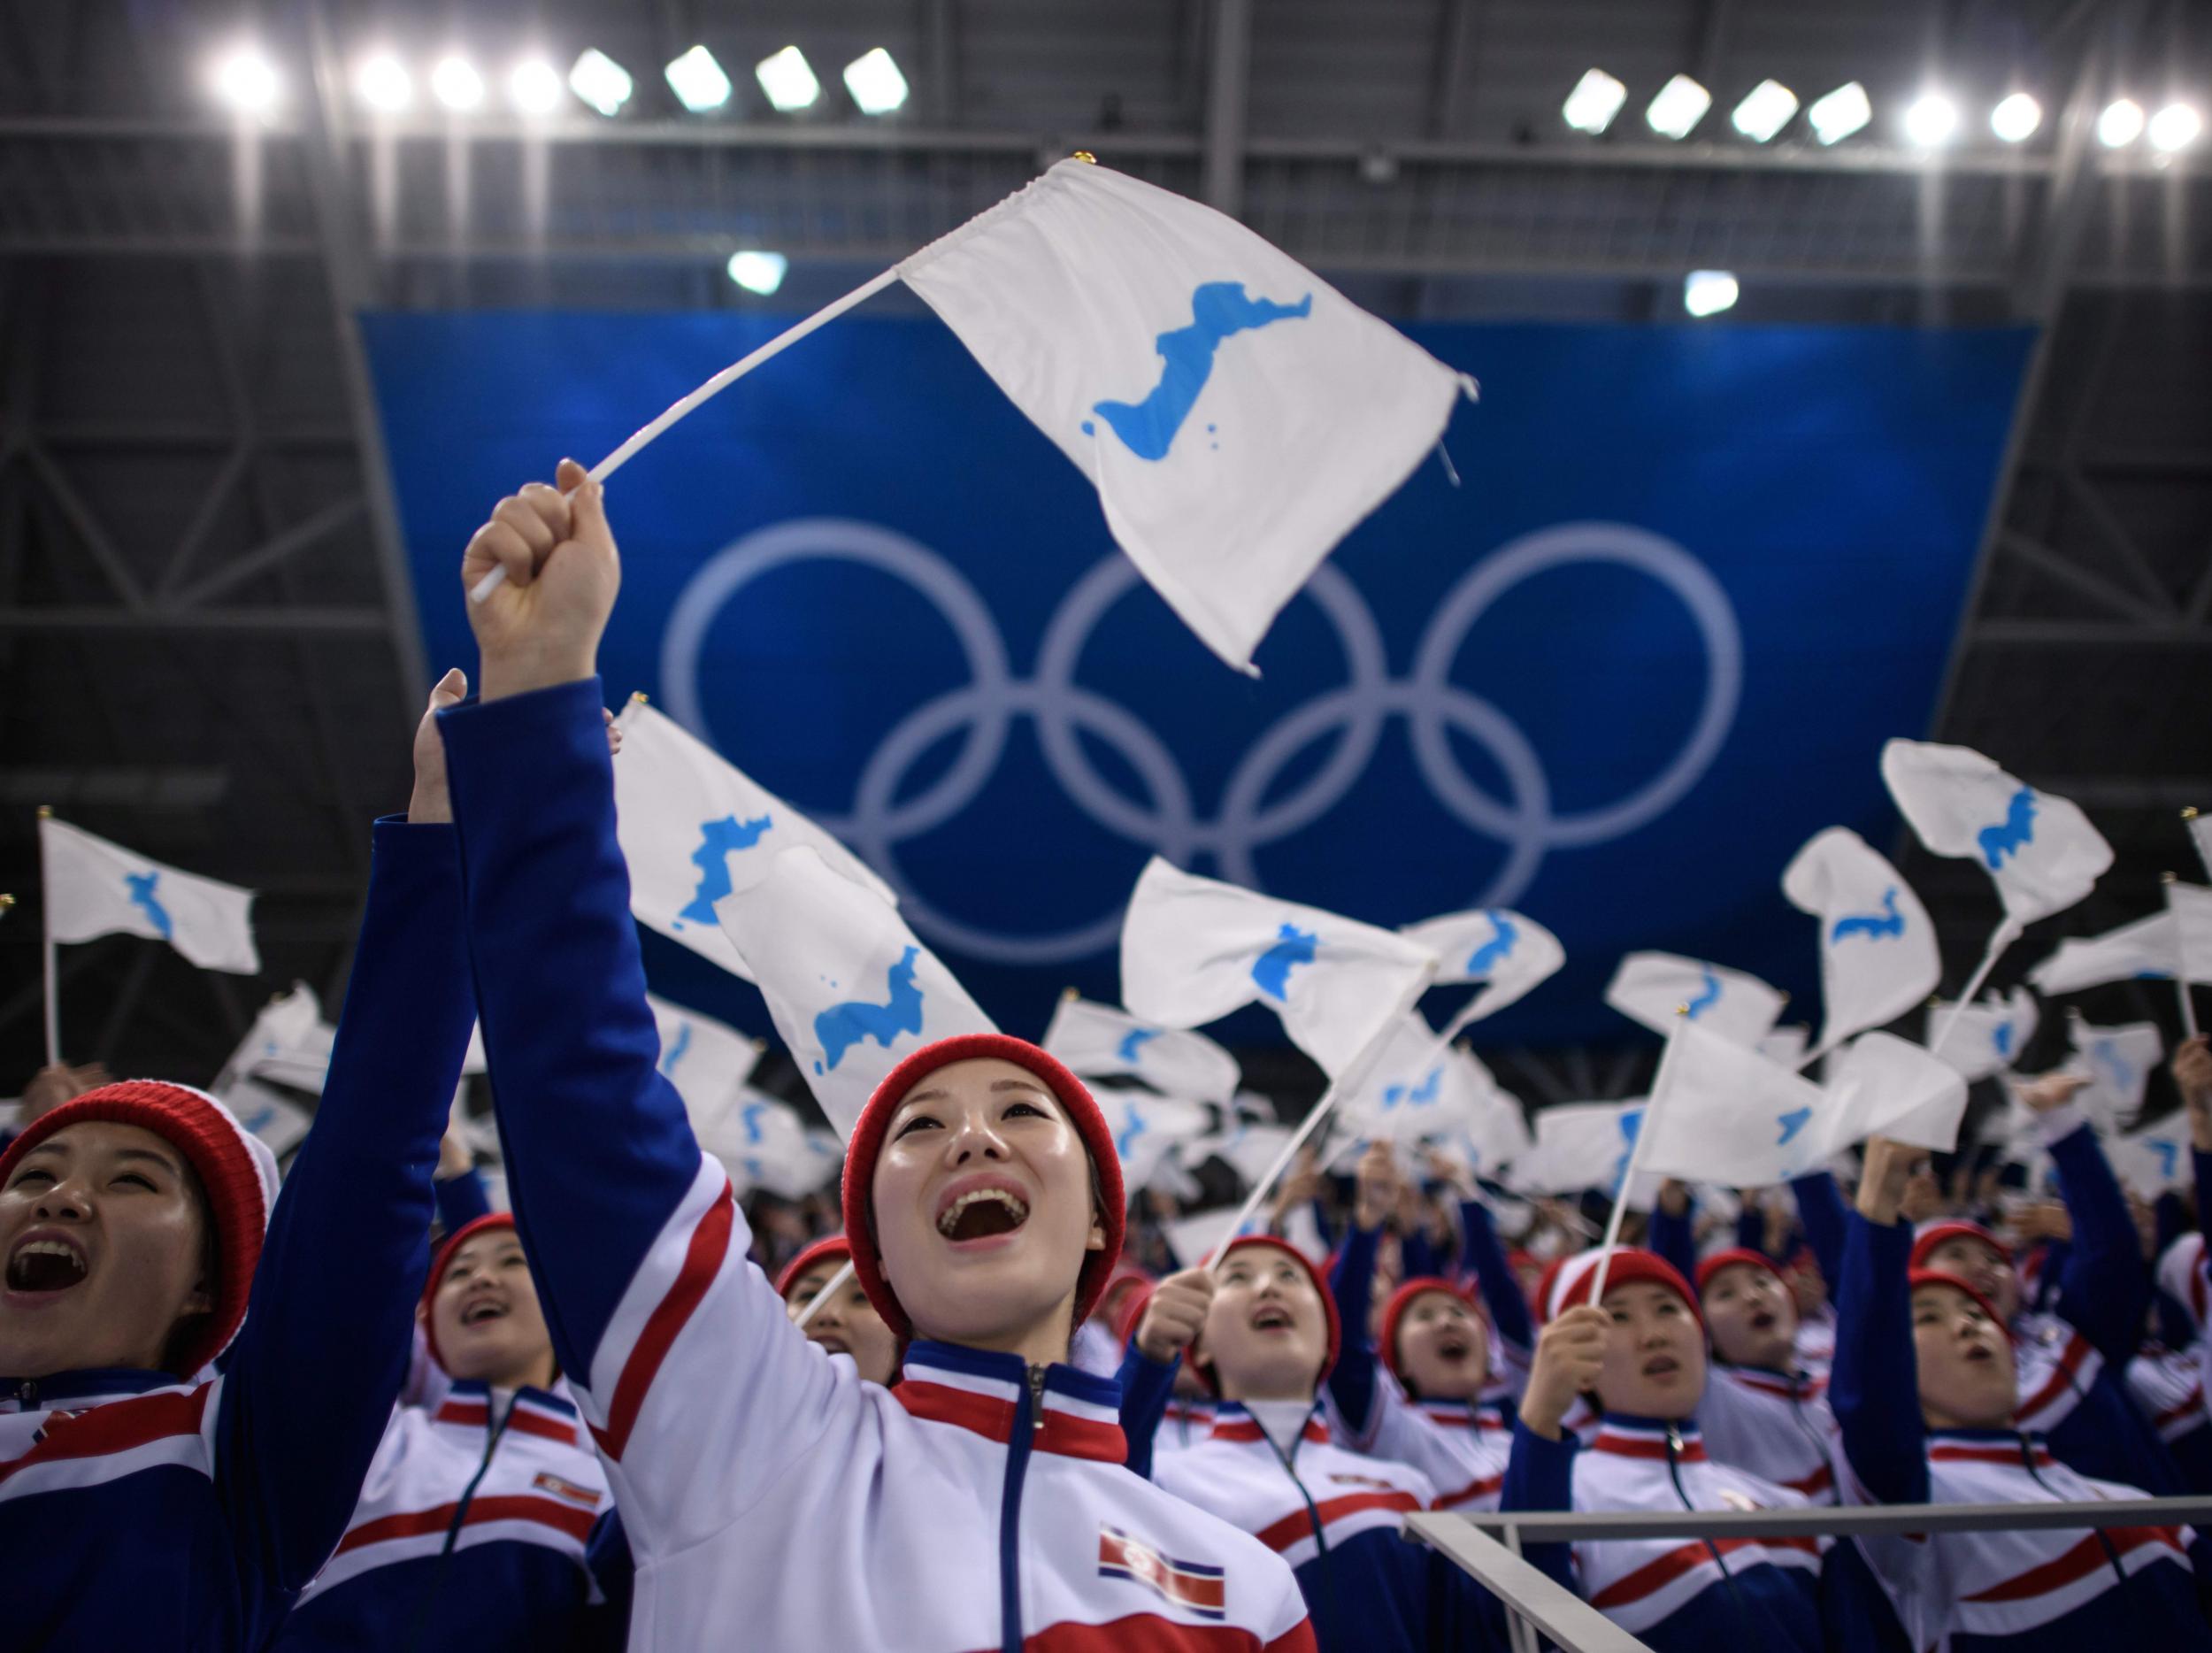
x=867, y=1143
x=235, y=1170
x=1570, y=1285
x=1321, y=1288
x=1401, y=1299
x=1132, y=1313
x=834, y=1248
x=439, y=1264
x=1932, y=1234
x=1736, y=1257
x=1915, y=1279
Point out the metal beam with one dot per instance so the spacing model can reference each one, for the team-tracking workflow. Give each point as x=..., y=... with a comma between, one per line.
x=1228, y=89
x=241, y=622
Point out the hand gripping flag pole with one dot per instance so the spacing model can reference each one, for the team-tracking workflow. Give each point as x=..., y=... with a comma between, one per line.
x=1635, y=1164
x=2181, y=965
x=837, y=1282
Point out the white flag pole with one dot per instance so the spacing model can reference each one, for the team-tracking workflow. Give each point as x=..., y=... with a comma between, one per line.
x=53, y=976
x=836, y=1284
x=2007, y=932
x=1635, y=1161
x=713, y=386
x=2181, y=967
x=1355, y=1075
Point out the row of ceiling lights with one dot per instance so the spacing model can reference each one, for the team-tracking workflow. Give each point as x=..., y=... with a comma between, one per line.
x=1930, y=121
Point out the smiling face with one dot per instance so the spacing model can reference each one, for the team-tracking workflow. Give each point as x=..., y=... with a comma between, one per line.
x=485, y=1312
x=848, y=1324
x=105, y=1233
x=1443, y=1348
x=983, y=1210
x=1751, y=1317
x=1964, y=1361
x=1654, y=1353
x=1982, y=1266
x=1267, y=1333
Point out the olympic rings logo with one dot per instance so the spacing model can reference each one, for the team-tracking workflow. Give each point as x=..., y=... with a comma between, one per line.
x=1433, y=706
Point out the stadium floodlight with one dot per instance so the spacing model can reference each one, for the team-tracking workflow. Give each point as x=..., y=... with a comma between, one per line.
x=1680, y=105
x=2120, y=124
x=1841, y=113
x=1597, y=99
x=789, y=78
x=874, y=81
x=534, y=87
x=600, y=81
x=1932, y=121
x=2174, y=127
x=247, y=80
x=2016, y=118
x=1709, y=292
x=1766, y=109
x=384, y=84
x=455, y=82
x=698, y=80
x=759, y=273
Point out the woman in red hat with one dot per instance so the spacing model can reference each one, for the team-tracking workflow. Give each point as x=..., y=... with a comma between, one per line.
x=848, y=1324
x=982, y=1502
x=146, y=1501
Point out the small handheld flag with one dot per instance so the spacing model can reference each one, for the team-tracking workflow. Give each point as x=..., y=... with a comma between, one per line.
x=1099, y=1042
x=1658, y=990
x=1877, y=946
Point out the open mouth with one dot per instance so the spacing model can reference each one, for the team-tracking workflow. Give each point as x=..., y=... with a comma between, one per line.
x=45, y=1265
x=982, y=1213
x=482, y=1310
x=1662, y=1366
x=1763, y=1320
x=833, y=1342
x=1454, y=1348
x=1273, y=1317
x=1977, y=1351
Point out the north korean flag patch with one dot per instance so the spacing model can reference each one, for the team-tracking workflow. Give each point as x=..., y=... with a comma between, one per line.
x=546, y=1482
x=1204, y=1590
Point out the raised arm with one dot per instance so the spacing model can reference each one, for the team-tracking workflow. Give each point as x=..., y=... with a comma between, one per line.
x=2104, y=1286
x=1540, y=1473
x=1171, y=1320
x=314, y=1373
x=1821, y=1212
x=459, y=1190
x=1494, y=1277
x=1352, y=1283
x=1672, y=1234
x=1874, y=1386
x=2193, y=1078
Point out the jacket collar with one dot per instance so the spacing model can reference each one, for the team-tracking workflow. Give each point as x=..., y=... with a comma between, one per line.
x=546, y=1413
x=89, y=1387
x=1626, y=1435
x=1232, y=1422
x=1473, y=1412
x=985, y=1392
x=1987, y=1446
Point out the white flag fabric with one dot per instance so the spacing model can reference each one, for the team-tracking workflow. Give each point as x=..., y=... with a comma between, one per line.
x=2040, y=851
x=1786, y=1046
x=1102, y=1041
x=1988, y=1036
x=694, y=828
x=1889, y=1087
x=1147, y=1129
x=1877, y=947
x=2118, y=1061
x=2154, y=1160
x=1586, y=1145
x=1237, y=414
x=270, y=1115
x=1416, y=1089
x=1659, y=989
x=1194, y=948
x=288, y=1034
x=1498, y=1137
x=2145, y=949
x=762, y=1143
x=1192, y=1239
x=93, y=887
x=707, y=1061
x=1508, y=951
x=849, y=989
x=1246, y=1148
x=2191, y=905
x=2200, y=835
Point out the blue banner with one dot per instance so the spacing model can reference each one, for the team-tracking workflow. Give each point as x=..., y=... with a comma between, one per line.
x=1690, y=579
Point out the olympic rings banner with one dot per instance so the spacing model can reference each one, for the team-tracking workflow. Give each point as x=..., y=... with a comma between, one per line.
x=1692, y=579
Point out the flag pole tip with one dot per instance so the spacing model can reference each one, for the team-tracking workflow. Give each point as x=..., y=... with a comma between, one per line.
x=6, y=901
x=638, y=698
x=1068, y=996
x=46, y=811
x=1785, y=998
x=2189, y=813
x=2167, y=878
x=1086, y=157
x=1681, y=1010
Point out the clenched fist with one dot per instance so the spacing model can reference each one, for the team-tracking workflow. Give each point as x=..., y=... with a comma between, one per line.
x=1569, y=1355
x=541, y=626
x=1174, y=1318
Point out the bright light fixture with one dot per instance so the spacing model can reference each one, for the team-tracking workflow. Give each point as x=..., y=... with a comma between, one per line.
x=247, y=80
x=1680, y=105
x=789, y=78
x=1597, y=99
x=1931, y=120
x=1709, y=292
x=2121, y=123
x=698, y=80
x=874, y=81
x=1766, y=109
x=1842, y=112
x=534, y=85
x=2016, y=118
x=2175, y=126
x=455, y=82
x=384, y=83
x=602, y=82
x=759, y=273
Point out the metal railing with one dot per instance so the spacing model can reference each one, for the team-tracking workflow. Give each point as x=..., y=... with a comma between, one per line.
x=1536, y=1604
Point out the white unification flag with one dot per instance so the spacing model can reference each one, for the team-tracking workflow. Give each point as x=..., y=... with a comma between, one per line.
x=270, y=1115
x=1507, y=951
x=1889, y=1087
x=289, y=1040
x=2200, y=835
x=1417, y=1088
x=1194, y=948
x=2118, y=1062
x=1659, y=989
x=1100, y=1041
x=1582, y=1145
x=93, y=887
x=694, y=828
x=1192, y=1239
x=1148, y=1129
x=707, y=1061
x=2042, y=850
x=762, y=1143
x=1497, y=1136
x=1786, y=1046
x=1236, y=414
x=1246, y=1148
x=2154, y=1160
x=1988, y=1036
x=1877, y=946
x=850, y=989
x=2145, y=949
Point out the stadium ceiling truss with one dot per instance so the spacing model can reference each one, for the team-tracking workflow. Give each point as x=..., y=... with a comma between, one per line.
x=208, y=638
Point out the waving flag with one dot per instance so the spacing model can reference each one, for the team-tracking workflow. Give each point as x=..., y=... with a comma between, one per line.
x=1237, y=414
x=694, y=828
x=2118, y=1062
x=1889, y=1087
x=94, y=887
x=1246, y=1146
x=1193, y=948
x=849, y=989
x=1099, y=1042
x=2040, y=851
x=289, y=1040
x=1586, y=1145
x=1498, y=1137
x=2154, y=1160
x=1417, y=1088
x=268, y=1114
x=1721, y=1112
x=1877, y=947
x=1508, y=951
x=707, y=1061
x=1987, y=1037
x=762, y=1143
x=1659, y=989
x=2144, y=950
x=1786, y=1046
x=1148, y=1129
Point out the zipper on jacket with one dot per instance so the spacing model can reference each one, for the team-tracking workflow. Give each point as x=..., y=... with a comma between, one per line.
x=495, y=1428
x=1674, y=1474
x=1029, y=1417
x=2104, y=1540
